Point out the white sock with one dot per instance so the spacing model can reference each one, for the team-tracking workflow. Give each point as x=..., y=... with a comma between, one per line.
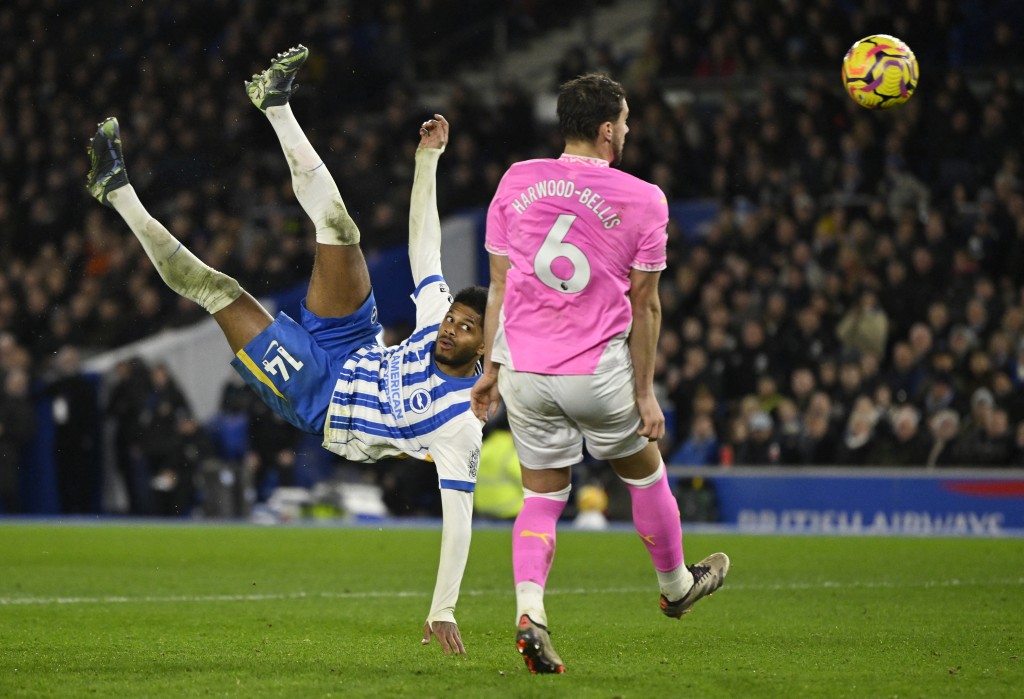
x=314, y=187
x=182, y=271
x=647, y=481
x=675, y=583
x=530, y=600
x=558, y=495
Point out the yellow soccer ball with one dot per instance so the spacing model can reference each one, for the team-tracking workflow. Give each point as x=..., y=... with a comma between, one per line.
x=880, y=72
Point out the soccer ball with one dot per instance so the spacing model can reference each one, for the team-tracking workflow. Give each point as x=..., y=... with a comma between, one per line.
x=880, y=72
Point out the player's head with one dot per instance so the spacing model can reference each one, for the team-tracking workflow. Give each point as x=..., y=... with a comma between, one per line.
x=592, y=109
x=460, y=339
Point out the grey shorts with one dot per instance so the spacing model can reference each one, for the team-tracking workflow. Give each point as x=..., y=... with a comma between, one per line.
x=551, y=416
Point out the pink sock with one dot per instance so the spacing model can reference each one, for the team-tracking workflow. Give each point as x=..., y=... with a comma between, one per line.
x=656, y=518
x=533, y=539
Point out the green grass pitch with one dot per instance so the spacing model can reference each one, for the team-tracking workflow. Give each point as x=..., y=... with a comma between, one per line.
x=145, y=610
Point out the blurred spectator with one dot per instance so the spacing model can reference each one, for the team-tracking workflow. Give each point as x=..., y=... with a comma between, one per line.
x=865, y=327
x=944, y=429
x=17, y=426
x=767, y=393
x=127, y=406
x=226, y=486
x=962, y=342
x=940, y=394
x=696, y=374
x=760, y=448
x=906, y=376
x=817, y=444
x=76, y=420
x=700, y=448
x=175, y=483
x=272, y=444
x=167, y=423
x=828, y=381
x=789, y=429
x=801, y=386
x=902, y=443
x=922, y=342
x=856, y=443
x=850, y=385
x=938, y=319
x=1017, y=366
x=990, y=443
x=749, y=361
x=1007, y=396
x=982, y=405
x=1017, y=450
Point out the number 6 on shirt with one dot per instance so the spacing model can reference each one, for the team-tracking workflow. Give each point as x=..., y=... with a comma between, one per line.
x=555, y=247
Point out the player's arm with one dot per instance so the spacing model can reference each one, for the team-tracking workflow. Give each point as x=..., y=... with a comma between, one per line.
x=484, y=397
x=456, y=457
x=424, y=220
x=643, y=347
x=456, y=532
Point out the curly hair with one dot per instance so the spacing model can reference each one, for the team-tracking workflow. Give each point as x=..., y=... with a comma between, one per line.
x=474, y=297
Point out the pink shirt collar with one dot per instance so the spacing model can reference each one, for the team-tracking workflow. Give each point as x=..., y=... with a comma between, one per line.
x=593, y=162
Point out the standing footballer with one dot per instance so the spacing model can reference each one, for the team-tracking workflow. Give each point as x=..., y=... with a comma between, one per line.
x=573, y=316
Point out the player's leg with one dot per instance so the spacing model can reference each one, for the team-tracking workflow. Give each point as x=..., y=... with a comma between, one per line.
x=547, y=445
x=340, y=281
x=240, y=316
x=656, y=518
x=604, y=406
x=545, y=494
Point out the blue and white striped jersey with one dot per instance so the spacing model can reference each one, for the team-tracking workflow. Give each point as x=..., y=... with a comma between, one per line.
x=390, y=401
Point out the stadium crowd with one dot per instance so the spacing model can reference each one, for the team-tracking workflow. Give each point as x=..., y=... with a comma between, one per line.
x=858, y=297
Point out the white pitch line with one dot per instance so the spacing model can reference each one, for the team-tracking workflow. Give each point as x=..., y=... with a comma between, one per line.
x=768, y=587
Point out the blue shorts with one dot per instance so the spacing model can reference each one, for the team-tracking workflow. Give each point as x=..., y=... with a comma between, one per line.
x=294, y=367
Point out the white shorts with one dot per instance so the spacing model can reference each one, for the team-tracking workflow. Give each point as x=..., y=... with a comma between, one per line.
x=550, y=416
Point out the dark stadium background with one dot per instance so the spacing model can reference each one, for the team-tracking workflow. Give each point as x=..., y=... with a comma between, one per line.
x=844, y=288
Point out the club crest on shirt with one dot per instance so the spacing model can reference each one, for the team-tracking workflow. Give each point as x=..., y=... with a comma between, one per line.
x=474, y=463
x=420, y=400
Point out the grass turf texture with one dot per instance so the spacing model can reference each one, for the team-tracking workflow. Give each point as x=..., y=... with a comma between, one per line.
x=237, y=611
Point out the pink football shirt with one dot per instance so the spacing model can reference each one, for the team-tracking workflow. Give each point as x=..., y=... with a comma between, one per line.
x=572, y=228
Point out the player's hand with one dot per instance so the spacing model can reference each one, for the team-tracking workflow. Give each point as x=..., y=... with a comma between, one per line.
x=447, y=634
x=484, y=399
x=652, y=419
x=434, y=132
